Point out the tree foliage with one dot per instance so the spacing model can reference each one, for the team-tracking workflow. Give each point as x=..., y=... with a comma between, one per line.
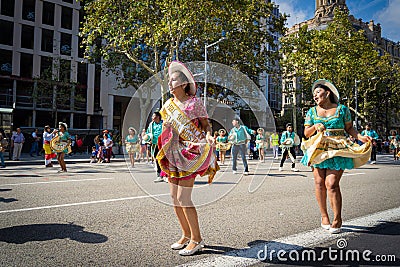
x=343, y=55
x=151, y=33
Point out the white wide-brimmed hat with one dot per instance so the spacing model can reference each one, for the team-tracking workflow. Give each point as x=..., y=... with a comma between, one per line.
x=328, y=84
x=179, y=66
x=222, y=131
x=148, y=137
x=63, y=124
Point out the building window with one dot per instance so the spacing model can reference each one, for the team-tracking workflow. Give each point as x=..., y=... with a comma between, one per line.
x=65, y=70
x=26, y=65
x=66, y=18
x=65, y=44
x=27, y=35
x=46, y=67
x=6, y=93
x=82, y=74
x=7, y=28
x=5, y=62
x=47, y=40
x=28, y=10
x=7, y=8
x=48, y=13
x=24, y=94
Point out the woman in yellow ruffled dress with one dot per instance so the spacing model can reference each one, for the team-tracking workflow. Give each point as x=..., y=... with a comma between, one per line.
x=329, y=152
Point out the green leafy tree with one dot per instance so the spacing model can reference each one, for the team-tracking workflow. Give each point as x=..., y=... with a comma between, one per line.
x=343, y=55
x=140, y=38
x=54, y=89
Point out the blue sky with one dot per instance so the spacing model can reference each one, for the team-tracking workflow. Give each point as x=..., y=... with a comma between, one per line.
x=385, y=12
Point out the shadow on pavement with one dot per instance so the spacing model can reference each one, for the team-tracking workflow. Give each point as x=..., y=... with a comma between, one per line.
x=44, y=232
x=5, y=189
x=7, y=200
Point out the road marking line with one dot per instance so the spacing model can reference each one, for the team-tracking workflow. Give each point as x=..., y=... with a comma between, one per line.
x=63, y=181
x=82, y=203
x=352, y=174
x=248, y=256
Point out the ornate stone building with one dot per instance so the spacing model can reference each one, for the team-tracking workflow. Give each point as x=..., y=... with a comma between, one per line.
x=323, y=15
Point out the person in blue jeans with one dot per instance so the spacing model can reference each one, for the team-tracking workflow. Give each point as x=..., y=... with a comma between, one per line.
x=3, y=145
x=239, y=136
x=35, y=143
x=374, y=135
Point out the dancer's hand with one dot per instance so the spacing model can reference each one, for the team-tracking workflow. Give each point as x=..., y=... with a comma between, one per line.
x=210, y=139
x=319, y=127
x=363, y=138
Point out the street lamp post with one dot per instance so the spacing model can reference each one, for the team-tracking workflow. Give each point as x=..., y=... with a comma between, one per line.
x=206, y=46
x=356, y=108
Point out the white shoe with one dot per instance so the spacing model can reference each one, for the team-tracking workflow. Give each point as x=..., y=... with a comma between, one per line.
x=280, y=169
x=179, y=245
x=294, y=170
x=159, y=179
x=334, y=230
x=246, y=173
x=234, y=172
x=373, y=162
x=188, y=252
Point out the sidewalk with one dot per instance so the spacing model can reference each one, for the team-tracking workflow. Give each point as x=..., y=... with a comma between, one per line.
x=26, y=159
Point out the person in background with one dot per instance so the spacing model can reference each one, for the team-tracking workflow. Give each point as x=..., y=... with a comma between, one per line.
x=107, y=143
x=274, y=141
x=288, y=143
x=394, y=144
x=35, y=143
x=3, y=145
x=143, y=148
x=222, y=144
x=48, y=153
x=153, y=132
x=64, y=137
x=239, y=136
x=261, y=143
x=132, y=145
x=17, y=141
x=371, y=133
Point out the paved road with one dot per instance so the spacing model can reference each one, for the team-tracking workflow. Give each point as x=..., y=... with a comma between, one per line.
x=108, y=215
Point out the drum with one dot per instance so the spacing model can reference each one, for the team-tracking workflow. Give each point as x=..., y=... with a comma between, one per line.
x=223, y=146
x=132, y=147
x=59, y=145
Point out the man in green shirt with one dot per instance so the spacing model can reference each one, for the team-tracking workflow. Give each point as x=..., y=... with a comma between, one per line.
x=153, y=132
x=369, y=132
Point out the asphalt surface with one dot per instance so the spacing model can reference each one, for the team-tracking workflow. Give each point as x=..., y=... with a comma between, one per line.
x=109, y=215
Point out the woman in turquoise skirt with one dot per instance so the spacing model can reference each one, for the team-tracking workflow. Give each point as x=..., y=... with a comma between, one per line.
x=64, y=137
x=329, y=152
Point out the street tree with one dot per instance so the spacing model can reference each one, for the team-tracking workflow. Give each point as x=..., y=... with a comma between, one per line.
x=138, y=39
x=341, y=54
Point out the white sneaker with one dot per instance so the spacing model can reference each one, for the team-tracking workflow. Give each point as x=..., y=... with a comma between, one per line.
x=280, y=169
x=234, y=172
x=246, y=173
x=294, y=170
x=373, y=162
x=159, y=179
